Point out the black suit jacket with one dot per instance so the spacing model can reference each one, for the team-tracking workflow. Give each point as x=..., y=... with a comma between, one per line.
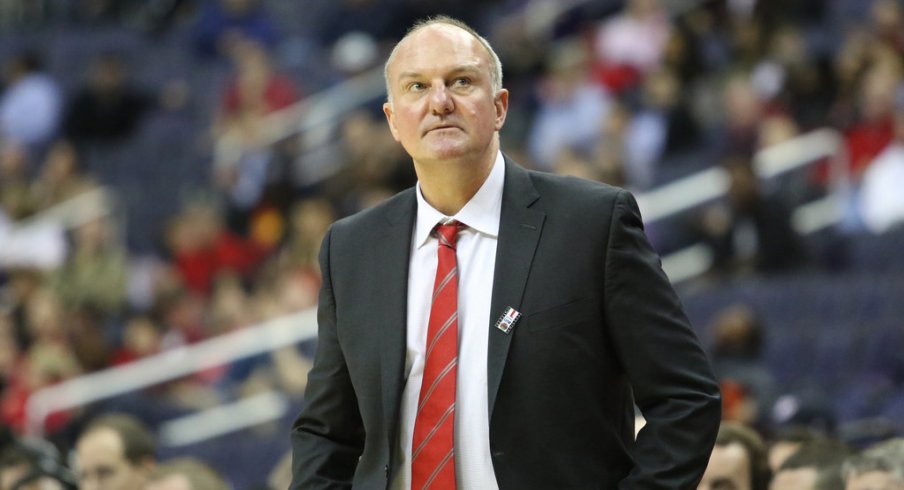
x=602, y=330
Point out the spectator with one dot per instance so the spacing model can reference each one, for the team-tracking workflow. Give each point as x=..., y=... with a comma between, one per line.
x=141, y=337
x=807, y=85
x=873, y=126
x=108, y=108
x=185, y=474
x=631, y=44
x=738, y=339
x=94, y=274
x=309, y=220
x=256, y=90
x=115, y=452
x=888, y=22
x=42, y=365
x=201, y=248
x=30, y=107
x=661, y=127
x=572, y=109
x=754, y=231
x=881, y=202
x=738, y=461
x=743, y=112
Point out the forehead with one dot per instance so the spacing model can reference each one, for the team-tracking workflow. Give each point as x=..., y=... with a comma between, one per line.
x=437, y=47
x=872, y=480
x=729, y=457
x=796, y=479
x=100, y=445
x=170, y=482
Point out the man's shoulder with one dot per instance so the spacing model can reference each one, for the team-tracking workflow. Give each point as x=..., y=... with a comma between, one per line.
x=573, y=190
x=388, y=212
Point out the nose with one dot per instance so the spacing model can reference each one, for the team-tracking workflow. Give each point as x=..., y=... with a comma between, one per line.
x=440, y=100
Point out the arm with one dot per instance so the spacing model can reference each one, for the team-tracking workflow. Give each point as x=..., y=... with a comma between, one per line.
x=672, y=382
x=328, y=435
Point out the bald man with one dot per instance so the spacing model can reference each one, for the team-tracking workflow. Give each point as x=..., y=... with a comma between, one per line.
x=494, y=327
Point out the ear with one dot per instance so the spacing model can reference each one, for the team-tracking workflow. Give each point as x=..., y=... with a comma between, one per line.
x=501, y=103
x=387, y=110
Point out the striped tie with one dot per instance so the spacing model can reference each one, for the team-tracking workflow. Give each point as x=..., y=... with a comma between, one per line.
x=432, y=453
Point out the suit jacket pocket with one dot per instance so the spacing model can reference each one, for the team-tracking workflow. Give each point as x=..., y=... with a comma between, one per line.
x=560, y=316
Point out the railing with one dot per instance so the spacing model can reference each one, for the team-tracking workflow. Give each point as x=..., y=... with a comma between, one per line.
x=172, y=364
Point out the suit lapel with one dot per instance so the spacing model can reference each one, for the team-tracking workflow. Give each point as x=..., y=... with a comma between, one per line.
x=394, y=250
x=519, y=233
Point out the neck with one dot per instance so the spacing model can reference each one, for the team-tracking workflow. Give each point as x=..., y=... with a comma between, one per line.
x=449, y=185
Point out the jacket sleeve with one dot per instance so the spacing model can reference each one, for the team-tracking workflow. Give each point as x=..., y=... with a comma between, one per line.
x=669, y=374
x=328, y=435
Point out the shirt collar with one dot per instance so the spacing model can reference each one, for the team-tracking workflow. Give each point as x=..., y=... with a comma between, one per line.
x=481, y=213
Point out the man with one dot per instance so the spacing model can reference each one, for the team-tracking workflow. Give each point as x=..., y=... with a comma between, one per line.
x=115, y=452
x=546, y=311
x=738, y=462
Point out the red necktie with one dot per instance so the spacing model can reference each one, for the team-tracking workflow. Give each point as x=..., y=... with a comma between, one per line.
x=432, y=453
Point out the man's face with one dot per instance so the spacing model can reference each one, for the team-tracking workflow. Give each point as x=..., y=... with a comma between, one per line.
x=797, y=479
x=728, y=469
x=443, y=106
x=874, y=480
x=102, y=465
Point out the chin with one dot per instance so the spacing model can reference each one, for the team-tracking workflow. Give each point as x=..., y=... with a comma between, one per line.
x=450, y=152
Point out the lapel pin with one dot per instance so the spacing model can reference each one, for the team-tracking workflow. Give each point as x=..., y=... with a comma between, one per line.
x=508, y=319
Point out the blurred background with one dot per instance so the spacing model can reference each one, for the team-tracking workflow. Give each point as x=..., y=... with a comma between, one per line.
x=169, y=167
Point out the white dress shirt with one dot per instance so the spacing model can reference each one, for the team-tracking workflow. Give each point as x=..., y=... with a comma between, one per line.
x=476, y=254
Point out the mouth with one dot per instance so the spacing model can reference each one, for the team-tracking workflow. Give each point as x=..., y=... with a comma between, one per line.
x=441, y=127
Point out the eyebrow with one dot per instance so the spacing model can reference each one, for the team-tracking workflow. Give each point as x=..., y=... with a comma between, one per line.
x=470, y=68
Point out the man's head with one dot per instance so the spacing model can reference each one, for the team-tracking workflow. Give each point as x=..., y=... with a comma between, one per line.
x=738, y=461
x=881, y=467
x=444, y=95
x=871, y=472
x=496, y=64
x=787, y=442
x=115, y=452
x=815, y=466
x=185, y=474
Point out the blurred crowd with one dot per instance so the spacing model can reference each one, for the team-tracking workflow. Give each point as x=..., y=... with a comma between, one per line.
x=635, y=93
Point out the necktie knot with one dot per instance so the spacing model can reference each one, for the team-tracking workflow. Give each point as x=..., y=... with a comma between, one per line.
x=447, y=233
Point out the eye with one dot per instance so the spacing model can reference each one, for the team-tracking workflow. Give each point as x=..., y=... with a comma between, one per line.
x=462, y=82
x=415, y=87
